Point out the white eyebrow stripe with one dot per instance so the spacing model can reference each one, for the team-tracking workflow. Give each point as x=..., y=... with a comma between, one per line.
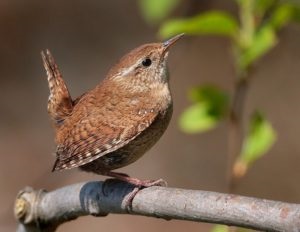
x=125, y=71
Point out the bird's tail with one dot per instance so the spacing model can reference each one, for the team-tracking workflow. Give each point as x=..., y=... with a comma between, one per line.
x=60, y=103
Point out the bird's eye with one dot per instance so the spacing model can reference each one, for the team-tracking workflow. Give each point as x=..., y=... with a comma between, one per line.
x=146, y=62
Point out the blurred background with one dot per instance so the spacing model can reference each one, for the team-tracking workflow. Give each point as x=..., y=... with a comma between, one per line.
x=86, y=39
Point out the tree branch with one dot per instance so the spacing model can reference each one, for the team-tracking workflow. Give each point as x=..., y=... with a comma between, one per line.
x=44, y=211
x=235, y=129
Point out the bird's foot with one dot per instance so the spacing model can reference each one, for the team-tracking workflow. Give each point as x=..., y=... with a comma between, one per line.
x=147, y=183
x=139, y=184
x=135, y=181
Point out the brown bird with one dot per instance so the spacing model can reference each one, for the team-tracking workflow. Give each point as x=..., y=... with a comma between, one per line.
x=115, y=123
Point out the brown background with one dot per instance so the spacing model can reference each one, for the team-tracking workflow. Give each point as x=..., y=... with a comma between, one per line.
x=86, y=38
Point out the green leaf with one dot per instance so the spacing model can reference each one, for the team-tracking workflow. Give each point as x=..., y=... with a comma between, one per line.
x=264, y=39
x=296, y=14
x=223, y=228
x=210, y=105
x=283, y=14
x=210, y=23
x=155, y=11
x=261, y=6
x=197, y=118
x=243, y=230
x=220, y=228
x=211, y=95
x=260, y=138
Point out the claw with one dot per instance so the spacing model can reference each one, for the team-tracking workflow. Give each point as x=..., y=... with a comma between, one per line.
x=139, y=184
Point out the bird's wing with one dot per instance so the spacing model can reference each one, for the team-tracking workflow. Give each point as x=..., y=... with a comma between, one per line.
x=93, y=138
x=60, y=103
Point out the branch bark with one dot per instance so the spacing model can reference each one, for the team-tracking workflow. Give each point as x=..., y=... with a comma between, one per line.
x=44, y=211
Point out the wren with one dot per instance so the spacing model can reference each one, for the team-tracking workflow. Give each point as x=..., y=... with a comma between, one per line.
x=115, y=123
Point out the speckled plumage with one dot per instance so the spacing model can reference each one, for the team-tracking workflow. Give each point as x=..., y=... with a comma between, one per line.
x=115, y=123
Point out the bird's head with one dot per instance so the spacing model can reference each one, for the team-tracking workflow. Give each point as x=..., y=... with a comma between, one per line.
x=144, y=66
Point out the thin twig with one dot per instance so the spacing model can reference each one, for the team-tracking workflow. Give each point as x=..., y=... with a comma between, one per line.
x=235, y=136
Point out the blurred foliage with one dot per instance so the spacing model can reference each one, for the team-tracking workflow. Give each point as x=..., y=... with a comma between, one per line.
x=220, y=228
x=223, y=228
x=258, y=141
x=210, y=23
x=210, y=105
x=261, y=42
x=156, y=10
x=257, y=34
x=283, y=14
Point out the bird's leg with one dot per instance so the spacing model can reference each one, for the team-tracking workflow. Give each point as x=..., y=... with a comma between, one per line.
x=135, y=181
x=139, y=184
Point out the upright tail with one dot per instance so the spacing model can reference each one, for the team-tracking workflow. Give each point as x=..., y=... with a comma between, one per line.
x=60, y=103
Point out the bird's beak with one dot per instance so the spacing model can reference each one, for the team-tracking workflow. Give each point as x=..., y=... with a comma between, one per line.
x=167, y=44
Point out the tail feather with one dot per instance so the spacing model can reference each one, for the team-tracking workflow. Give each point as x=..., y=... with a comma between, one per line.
x=60, y=103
